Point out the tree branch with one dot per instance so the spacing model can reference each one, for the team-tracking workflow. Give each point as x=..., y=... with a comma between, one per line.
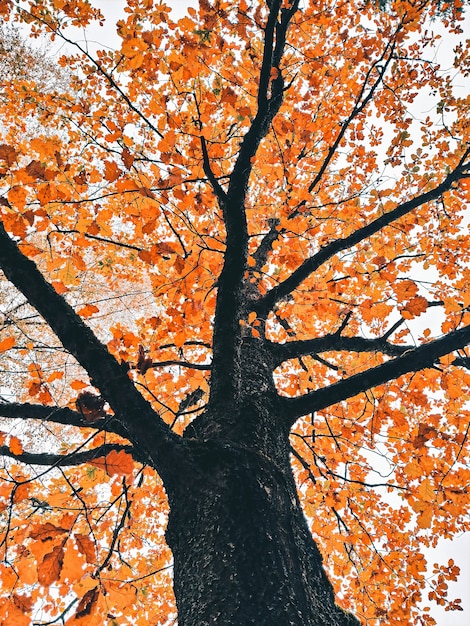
x=335, y=342
x=216, y=186
x=410, y=361
x=362, y=100
x=310, y=265
x=67, y=460
x=57, y=415
x=192, y=366
x=229, y=304
x=262, y=251
x=144, y=427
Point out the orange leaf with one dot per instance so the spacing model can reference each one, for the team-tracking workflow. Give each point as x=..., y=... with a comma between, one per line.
x=115, y=463
x=59, y=287
x=7, y=343
x=16, y=616
x=86, y=547
x=111, y=171
x=73, y=566
x=88, y=310
x=45, y=193
x=17, y=196
x=78, y=385
x=426, y=491
x=145, y=255
x=405, y=289
x=15, y=445
x=425, y=517
x=21, y=492
x=414, y=307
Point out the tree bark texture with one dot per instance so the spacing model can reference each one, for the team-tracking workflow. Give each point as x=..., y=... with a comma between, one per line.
x=242, y=550
x=243, y=553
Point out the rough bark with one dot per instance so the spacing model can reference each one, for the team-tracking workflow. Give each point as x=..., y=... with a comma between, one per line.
x=243, y=553
x=242, y=550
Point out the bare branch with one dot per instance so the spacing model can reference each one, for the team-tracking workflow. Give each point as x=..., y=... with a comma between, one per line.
x=119, y=244
x=119, y=526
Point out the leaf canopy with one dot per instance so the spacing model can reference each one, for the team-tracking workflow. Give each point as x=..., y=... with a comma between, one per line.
x=326, y=170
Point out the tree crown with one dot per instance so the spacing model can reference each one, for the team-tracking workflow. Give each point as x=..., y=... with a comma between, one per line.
x=252, y=174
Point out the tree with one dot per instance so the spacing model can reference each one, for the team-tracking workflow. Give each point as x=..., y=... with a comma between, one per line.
x=235, y=279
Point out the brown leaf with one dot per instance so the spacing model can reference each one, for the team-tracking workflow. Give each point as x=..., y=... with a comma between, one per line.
x=8, y=154
x=86, y=547
x=51, y=566
x=127, y=158
x=425, y=433
x=46, y=531
x=36, y=170
x=85, y=606
x=144, y=362
x=24, y=603
x=91, y=406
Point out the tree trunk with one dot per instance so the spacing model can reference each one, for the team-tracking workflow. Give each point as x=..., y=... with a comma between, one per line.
x=242, y=550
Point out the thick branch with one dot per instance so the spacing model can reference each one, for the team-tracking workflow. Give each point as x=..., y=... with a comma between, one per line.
x=462, y=361
x=227, y=331
x=57, y=415
x=310, y=265
x=216, y=186
x=261, y=254
x=335, y=342
x=270, y=96
x=143, y=426
x=411, y=361
x=66, y=460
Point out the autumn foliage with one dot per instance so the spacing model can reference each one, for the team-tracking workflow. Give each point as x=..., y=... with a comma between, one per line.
x=327, y=181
